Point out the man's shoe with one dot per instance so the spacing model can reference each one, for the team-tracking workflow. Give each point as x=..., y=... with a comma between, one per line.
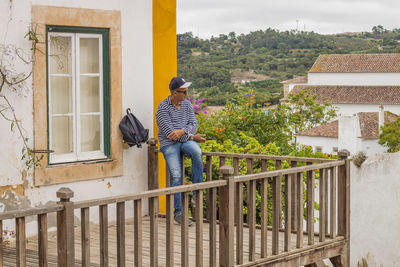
x=193, y=202
x=193, y=207
x=178, y=220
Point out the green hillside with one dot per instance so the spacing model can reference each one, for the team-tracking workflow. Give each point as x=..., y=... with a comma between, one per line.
x=217, y=66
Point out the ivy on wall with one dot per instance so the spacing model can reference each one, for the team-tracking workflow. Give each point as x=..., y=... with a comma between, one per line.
x=13, y=80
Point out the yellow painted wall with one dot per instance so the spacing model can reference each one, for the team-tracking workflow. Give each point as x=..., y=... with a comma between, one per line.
x=164, y=65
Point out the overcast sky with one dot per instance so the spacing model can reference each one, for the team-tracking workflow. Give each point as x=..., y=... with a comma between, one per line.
x=211, y=17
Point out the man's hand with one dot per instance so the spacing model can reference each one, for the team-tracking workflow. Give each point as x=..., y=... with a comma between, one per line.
x=176, y=134
x=199, y=138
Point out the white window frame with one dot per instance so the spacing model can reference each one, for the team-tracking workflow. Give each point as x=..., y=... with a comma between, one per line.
x=318, y=148
x=77, y=154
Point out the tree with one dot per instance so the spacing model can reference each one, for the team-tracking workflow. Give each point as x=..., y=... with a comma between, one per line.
x=275, y=126
x=184, y=36
x=223, y=36
x=390, y=136
x=232, y=37
x=378, y=29
x=303, y=112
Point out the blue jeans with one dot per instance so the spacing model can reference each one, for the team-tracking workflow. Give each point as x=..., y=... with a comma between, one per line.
x=172, y=155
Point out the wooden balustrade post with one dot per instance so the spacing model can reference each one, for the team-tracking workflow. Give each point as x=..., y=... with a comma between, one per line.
x=65, y=229
x=276, y=209
x=226, y=219
x=152, y=175
x=343, y=188
x=152, y=164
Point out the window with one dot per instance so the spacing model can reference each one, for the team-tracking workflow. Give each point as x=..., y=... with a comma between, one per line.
x=335, y=149
x=318, y=149
x=78, y=100
x=89, y=144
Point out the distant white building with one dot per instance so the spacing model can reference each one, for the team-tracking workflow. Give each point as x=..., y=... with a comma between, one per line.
x=357, y=85
x=289, y=84
x=358, y=132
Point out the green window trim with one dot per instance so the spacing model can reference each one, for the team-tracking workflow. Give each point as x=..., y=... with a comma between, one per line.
x=106, y=77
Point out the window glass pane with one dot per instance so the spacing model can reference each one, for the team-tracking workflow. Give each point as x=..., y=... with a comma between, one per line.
x=90, y=94
x=61, y=95
x=60, y=55
x=89, y=55
x=90, y=133
x=61, y=135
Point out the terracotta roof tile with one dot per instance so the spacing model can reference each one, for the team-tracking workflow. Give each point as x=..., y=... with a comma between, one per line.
x=369, y=122
x=357, y=63
x=345, y=94
x=325, y=130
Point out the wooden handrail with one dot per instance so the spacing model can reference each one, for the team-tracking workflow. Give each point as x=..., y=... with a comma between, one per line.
x=30, y=211
x=261, y=156
x=261, y=175
x=149, y=194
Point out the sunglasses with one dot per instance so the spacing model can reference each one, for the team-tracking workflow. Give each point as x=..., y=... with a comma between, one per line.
x=183, y=92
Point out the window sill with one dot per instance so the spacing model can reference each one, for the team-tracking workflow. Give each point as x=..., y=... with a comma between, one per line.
x=90, y=161
x=77, y=171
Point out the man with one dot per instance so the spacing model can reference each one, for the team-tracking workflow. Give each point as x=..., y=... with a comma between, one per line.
x=177, y=126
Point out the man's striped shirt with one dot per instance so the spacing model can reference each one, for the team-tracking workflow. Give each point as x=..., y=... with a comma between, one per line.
x=170, y=118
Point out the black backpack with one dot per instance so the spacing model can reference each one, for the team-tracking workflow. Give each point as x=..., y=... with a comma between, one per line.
x=132, y=130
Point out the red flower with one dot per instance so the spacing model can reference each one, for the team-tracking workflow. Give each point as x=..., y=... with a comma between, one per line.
x=244, y=117
x=219, y=130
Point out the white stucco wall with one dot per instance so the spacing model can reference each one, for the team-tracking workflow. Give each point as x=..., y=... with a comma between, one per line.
x=137, y=87
x=354, y=78
x=326, y=143
x=348, y=138
x=348, y=134
x=350, y=109
x=375, y=211
x=371, y=147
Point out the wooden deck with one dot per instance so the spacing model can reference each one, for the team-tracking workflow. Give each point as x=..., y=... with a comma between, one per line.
x=147, y=241
x=32, y=256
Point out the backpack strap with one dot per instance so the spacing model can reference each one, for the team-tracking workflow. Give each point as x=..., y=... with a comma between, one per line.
x=135, y=128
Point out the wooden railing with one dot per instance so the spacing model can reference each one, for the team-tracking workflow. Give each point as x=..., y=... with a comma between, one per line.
x=279, y=186
x=286, y=187
x=64, y=210
x=138, y=199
